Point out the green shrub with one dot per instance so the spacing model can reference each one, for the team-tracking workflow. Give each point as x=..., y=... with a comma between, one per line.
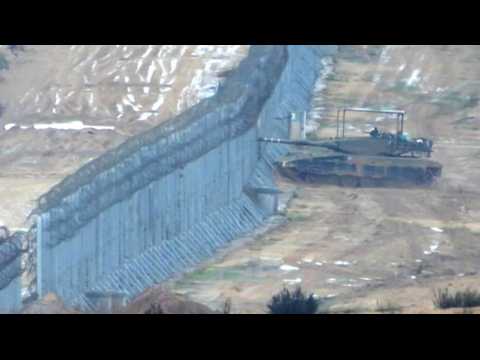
x=294, y=216
x=295, y=302
x=443, y=299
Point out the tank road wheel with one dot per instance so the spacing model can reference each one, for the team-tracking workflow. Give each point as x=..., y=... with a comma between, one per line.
x=429, y=177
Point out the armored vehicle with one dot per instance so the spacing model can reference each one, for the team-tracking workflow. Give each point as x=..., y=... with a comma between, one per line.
x=377, y=160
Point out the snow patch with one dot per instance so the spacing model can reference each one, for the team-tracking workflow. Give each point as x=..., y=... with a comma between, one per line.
x=145, y=116
x=433, y=248
x=72, y=125
x=158, y=103
x=292, y=281
x=414, y=78
x=9, y=126
x=289, y=268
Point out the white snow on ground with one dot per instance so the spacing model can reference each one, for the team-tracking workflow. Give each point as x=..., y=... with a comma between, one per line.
x=148, y=52
x=145, y=116
x=292, y=281
x=91, y=98
x=158, y=103
x=151, y=71
x=342, y=263
x=72, y=125
x=402, y=67
x=414, y=78
x=385, y=56
x=433, y=248
x=9, y=126
x=267, y=258
x=90, y=70
x=289, y=268
x=131, y=98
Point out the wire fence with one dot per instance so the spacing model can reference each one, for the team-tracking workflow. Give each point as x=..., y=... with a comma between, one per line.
x=167, y=199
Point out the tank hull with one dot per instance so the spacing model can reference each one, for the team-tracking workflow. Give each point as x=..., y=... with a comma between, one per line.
x=362, y=171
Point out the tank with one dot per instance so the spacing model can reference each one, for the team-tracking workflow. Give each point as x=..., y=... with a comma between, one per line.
x=378, y=160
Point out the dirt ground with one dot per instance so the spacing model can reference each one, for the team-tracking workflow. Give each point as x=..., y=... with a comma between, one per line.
x=374, y=250
x=127, y=88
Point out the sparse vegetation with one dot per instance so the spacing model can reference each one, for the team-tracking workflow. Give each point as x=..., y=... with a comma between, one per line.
x=452, y=101
x=443, y=299
x=313, y=136
x=227, y=306
x=154, y=309
x=387, y=307
x=296, y=216
x=296, y=302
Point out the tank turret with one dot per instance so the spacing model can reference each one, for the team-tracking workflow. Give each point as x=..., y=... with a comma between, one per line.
x=379, y=159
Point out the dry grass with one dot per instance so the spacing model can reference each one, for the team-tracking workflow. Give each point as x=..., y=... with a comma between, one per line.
x=387, y=307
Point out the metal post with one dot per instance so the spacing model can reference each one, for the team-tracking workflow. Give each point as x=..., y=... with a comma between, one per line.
x=338, y=124
x=303, y=125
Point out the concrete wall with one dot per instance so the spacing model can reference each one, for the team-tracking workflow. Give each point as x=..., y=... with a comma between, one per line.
x=167, y=200
x=10, y=280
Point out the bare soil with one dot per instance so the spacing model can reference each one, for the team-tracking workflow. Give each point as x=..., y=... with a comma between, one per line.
x=100, y=85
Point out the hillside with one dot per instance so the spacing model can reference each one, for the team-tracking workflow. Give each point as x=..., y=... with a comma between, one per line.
x=64, y=105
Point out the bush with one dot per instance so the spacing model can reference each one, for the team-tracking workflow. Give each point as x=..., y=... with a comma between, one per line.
x=461, y=299
x=295, y=302
x=154, y=309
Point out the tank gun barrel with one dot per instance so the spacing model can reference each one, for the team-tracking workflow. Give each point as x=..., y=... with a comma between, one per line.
x=325, y=144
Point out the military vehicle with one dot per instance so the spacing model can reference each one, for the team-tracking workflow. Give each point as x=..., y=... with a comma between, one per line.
x=380, y=159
